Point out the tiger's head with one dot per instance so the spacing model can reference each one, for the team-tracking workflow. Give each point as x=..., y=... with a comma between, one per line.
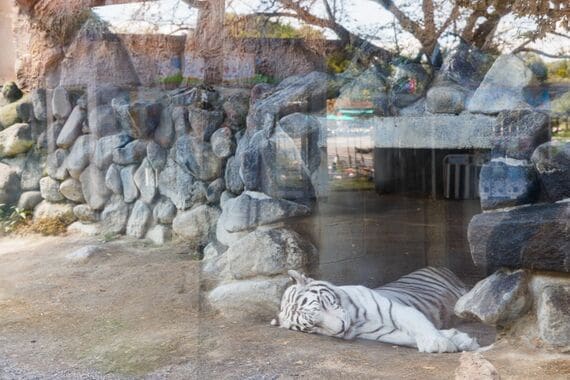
x=313, y=307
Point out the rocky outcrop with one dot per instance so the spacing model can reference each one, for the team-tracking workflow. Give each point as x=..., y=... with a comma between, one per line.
x=552, y=161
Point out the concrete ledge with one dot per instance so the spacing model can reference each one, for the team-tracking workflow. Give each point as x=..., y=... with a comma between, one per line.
x=465, y=131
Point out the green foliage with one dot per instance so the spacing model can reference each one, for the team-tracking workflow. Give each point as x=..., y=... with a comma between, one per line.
x=337, y=62
x=174, y=80
x=559, y=70
x=11, y=218
x=261, y=27
x=260, y=78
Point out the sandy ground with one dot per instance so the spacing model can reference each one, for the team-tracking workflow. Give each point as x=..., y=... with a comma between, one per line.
x=134, y=311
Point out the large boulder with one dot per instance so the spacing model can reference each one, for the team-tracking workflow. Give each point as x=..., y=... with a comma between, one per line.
x=93, y=186
x=164, y=211
x=553, y=314
x=103, y=155
x=445, y=99
x=132, y=153
x=164, y=133
x=113, y=179
x=71, y=189
x=103, y=122
x=409, y=83
x=499, y=299
x=269, y=252
x=156, y=156
x=236, y=107
x=11, y=92
x=130, y=190
x=534, y=237
x=85, y=214
x=306, y=129
x=49, y=188
x=252, y=209
x=144, y=118
x=15, y=140
x=275, y=167
x=552, y=161
x=222, y=142
x=465, y=65
x=204, y=122
x=29, y=199
x=38, y=98
x=9, y=185
x=196, y=226
x=9, y=115
x=80, y=155
x=251, y=299
x=60, y=103
x=520, y=132
x=198, y=158
x=175, y=183
x=72, y=128
x=47, y=210
x=139, y=220
x=233, y=179
x=503, y=87
x=145, y=179
x=55, y=164
x=115, y=215
x=368, y=90
x=32, y=171
x=301, y=93
x=507, y=183
x=159, y=234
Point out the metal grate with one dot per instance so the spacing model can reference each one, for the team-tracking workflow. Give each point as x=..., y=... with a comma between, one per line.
x=461, y=176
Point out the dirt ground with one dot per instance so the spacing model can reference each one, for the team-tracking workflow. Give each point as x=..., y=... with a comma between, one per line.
x=134, y=311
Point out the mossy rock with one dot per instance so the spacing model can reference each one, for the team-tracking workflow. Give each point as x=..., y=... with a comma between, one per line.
x=9, y=113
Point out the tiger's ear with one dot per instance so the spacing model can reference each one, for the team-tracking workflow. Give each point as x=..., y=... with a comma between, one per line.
x=299, y=278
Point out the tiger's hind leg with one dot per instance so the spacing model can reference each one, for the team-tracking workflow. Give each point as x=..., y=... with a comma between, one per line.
x=463, y=341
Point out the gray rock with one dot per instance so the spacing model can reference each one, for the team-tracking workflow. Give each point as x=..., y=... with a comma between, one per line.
x=204, y=123
x=306, y=130
x=55, y=165
x=199, y=193
x=115, y=215
x=225, y=197
x=236, y=107
x=15, y=140
x=196, y=226
x=499, y=299
x=48, y=140
x=553, y=315
x=47, y=210
x=445, y=99
x=25, y=111
x=228, y=238
x=252, y=209
x=11, y=92
x=164, y=134
x=260, y=91
x=159, y=234
x=164, y=211
x=38, y=97
x=175, y=183
x=368, y=88
x=215, y=190
x=268, y=253
x=71, y=189
x=102, y=121
x=275, y=167
x=465, y=65
x=552, y=161
x=93, y=186
x=156, y=156
x=80, y=155
x=180, y=119
x=139, y=220
x=113, y=179
x=85, y=214
x=256, y=299
x=198, y=158
x=145, y=179
x=29, y=199
x=302, y=93
x=214, y=265
x=409, y=83
x=507, y=183
x=103, y=156
x=32, y=171
x=130, y=190
x=49, y=189
x=104, y=94
x=472, y=365
x=145, y=118
x=60, y=103
x=83, y=254
x=537, y=238
x=72, y=128
x=503, y=87
x=232, y=176
x=519, y=133
x=132, y=153
x=80, y=228
x=222, y=143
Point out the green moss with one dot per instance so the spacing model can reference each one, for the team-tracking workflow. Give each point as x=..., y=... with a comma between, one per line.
x=174, y=80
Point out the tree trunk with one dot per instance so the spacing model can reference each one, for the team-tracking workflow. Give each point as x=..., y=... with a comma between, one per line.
x=209, y=39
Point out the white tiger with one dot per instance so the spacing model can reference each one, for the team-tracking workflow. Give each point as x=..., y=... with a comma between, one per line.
x=406, y=312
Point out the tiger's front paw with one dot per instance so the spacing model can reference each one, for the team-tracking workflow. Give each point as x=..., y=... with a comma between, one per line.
x=435, y=344
x=462, y=340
